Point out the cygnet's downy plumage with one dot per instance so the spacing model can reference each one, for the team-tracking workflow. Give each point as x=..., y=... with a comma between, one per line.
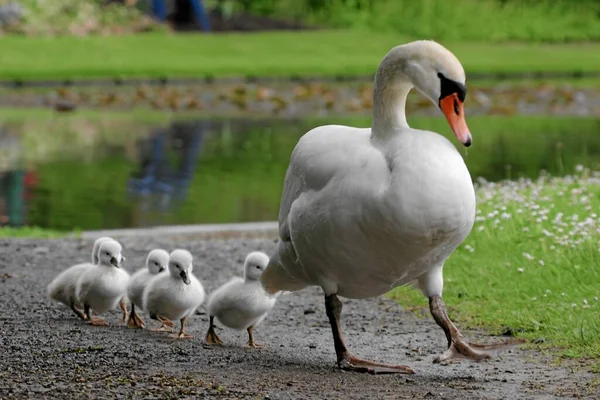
x=175, y=295
x=241, y=303
x=156, y=263
x=63, y=288
x=104, y=286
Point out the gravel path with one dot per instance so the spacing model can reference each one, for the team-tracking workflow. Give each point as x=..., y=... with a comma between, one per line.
x=49, y=353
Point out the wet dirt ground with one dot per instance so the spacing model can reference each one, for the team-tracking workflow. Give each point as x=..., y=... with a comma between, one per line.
x=48, y=353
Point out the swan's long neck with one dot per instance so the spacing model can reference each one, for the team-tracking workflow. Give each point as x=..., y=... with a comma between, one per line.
x=389, y=100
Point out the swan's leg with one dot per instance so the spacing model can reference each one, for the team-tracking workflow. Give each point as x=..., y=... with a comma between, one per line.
x=347, y=361
x=211, y=335
x=134, y=320
x=123, y=306
x=96, y=321
x=78, y=312
x=251, y=341
x=182, y=334
x=458, y=347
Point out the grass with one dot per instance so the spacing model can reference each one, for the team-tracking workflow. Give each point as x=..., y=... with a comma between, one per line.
x=496, y=20
x=531, y=265
x=314, y=53
x=34, y=232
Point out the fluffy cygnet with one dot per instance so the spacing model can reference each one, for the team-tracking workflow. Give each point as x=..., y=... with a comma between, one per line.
x=63, y=288
x=241, y=303
x=175, y=295
x=104, y=286
x=156, y=263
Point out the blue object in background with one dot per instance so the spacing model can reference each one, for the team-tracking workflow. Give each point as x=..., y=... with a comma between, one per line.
x=159, y=8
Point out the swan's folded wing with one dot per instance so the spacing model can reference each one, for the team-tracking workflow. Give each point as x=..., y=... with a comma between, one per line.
x=314, y=162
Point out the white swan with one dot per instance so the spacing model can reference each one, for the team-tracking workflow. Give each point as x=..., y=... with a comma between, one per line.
x=103, y=286
x=241, y=303
x=365, y=210
x=175, y=295
x=63, y=287
x=156, y=263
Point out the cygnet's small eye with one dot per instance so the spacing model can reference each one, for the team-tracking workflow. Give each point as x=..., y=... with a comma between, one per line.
x=258, y=266
x=107, y=253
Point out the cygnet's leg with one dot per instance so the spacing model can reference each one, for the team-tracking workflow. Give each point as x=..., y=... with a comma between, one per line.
x=134, y=320
x=347, y=361
x=78, y=312
x=251, y=341
x=211, y=335
x=182, y=334
x=458, y=347
x=123, y=306
x=96, y=321
x=431, y=284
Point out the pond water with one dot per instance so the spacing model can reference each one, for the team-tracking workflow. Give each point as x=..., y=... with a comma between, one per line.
x=104, y=171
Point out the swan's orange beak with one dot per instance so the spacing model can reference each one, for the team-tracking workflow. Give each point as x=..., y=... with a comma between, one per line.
x=454, y=111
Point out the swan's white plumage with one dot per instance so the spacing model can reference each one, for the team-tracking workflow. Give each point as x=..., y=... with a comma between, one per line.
x=168, y=295
x=103, y=286
x=64, y=286
x=156, y=263
x=242, y=302
x=366, y=210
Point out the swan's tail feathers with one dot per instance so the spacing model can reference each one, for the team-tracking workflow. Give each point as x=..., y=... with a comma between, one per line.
x=275, y=279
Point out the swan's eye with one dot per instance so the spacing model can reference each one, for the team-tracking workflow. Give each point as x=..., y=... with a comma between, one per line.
x=107, y=253
x=258, y=266
x=456, y=110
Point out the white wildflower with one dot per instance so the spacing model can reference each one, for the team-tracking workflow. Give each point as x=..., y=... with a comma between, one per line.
x=528, y=256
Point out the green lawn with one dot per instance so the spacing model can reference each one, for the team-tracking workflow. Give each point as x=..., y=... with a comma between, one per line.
x=34, y=232
x=261, y=54
x=531, y=264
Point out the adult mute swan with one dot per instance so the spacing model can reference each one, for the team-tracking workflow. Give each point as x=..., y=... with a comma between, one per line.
x=365, y=210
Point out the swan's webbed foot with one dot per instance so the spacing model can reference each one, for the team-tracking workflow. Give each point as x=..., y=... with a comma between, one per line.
x=347, y=361
x=211, y=336
x=458, y=347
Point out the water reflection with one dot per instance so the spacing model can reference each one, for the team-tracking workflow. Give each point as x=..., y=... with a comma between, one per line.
x=160, y=183
x=17, y=182
x=79, y=172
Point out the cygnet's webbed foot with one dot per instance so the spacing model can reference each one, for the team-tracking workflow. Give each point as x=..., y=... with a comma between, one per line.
x=211, y=336
x=78, y=312
x=166, y=321
x=251, y=342
x=182, y=334
x=352, y=363
x=458, y=347
x=345, y=360
x=96, y=321
x=162, y=328
x=134, y=320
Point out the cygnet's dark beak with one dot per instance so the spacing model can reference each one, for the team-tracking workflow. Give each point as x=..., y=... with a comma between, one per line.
x=114, y=262
x=161, y=269
x=184, y=277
